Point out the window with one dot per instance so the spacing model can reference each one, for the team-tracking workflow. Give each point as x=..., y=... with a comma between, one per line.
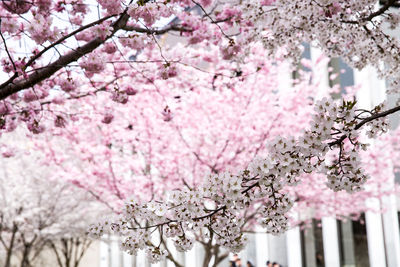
x=353, y=243
x=312, y=245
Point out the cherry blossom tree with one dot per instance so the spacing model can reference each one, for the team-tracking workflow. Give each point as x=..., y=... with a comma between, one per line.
x=51, y=49
x=75, y=50
x=38, y=212
x=191, y=210
x=69, y=251
x=219, y=125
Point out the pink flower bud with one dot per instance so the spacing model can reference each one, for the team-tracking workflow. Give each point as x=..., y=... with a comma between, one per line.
x=108, y=118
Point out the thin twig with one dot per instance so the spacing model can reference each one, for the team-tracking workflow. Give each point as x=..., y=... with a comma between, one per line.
x=6, y=48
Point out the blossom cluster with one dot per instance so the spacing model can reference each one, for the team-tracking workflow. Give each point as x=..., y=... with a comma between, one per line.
x=149, y=12
x=39, y=29
x=92, y=64
x=134, y=41
x=216, y=206
x=354, y=30
x=102, y=30
x=112, y=7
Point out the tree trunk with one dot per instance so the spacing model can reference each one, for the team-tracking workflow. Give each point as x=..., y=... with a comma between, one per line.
x=207, y=258
x=25, y=256
x=67, y=254
x=53, y=246
x=219, y=259
x=10, y=248
x=208, y=251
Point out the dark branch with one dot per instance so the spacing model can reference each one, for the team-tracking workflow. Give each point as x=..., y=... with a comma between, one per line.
x=383, y=9
x=157, y=31
x=364, y=121
x=63, y=61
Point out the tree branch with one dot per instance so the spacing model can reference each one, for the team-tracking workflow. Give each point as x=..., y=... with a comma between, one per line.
x=53, y=246
x=6, y=48
x=157, y=31
x=388, y=4
x=170, y=255
x=383, y=9
x=8, y=89
x=363, y=122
